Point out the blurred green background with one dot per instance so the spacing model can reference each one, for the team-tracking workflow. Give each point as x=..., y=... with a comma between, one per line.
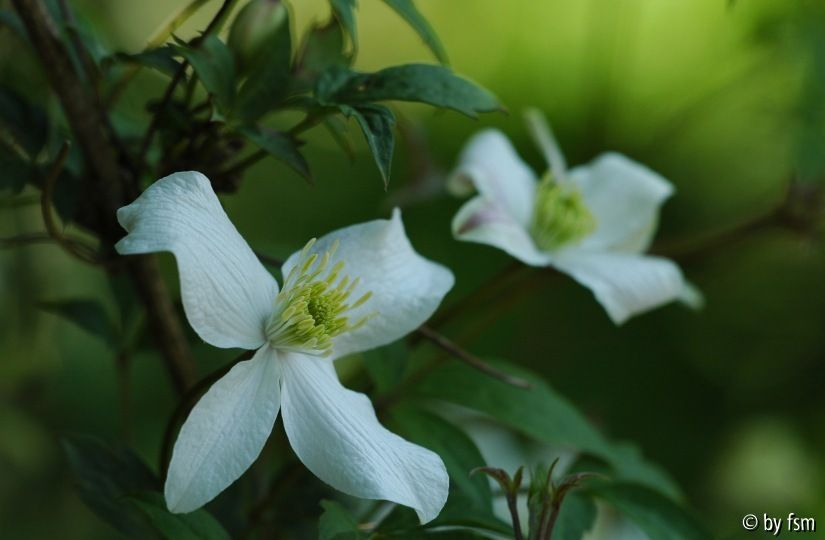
x=725, y=99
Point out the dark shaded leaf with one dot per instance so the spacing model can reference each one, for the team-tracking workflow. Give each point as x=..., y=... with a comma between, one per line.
x=161, y=59
x=422, y=533
x=576, y=517
x=407, y=10
x=27, y=124
x=197, y=525
x=337, y=523
x=105, y=477
x=540, y=413
x=329, y=83
x=658, y=516
x=376, y=122
x=424, y=83
x=280, y=146
x=344, y=11
x=337, y=128
x=386, y=365
x=268, y=79
x=213, y=63
x=86, y=314
x=402, y=523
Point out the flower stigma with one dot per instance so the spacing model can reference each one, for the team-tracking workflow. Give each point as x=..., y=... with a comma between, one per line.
x=311, y=308
x=560, y=216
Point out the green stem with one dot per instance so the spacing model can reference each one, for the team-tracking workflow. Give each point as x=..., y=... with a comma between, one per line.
x=309, y=121
x=214, y=25
x=471, y=360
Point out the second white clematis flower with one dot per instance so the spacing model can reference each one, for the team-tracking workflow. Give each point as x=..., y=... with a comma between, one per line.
x=354, y=289
x=592, y=222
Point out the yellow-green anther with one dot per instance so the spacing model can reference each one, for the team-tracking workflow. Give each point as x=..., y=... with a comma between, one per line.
x=560, y=216
x=311, y=310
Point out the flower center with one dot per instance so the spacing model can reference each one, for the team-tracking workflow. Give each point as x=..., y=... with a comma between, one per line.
x=313, y=305
x=560, y=216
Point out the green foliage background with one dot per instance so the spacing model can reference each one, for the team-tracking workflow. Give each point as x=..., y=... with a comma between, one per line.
x=723, y=98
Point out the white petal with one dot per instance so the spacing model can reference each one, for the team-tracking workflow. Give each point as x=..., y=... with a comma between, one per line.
x=491, y=164
x=227, y=294
x=692, y=297
x=625, y=198
x=624, y=284
x=406, y=287
x=224, y=433
x=486, y=222
x=335, y=433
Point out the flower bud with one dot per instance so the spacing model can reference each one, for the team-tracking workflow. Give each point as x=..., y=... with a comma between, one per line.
x=254, y=25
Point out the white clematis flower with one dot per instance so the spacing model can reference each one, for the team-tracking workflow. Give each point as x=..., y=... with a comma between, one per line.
x=354, y=289
x=592, y=222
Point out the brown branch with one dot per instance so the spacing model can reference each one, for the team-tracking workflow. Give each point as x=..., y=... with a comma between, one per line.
x=471, y=360
x=81, y=109
x=244, y=163
x=87, y=63
x=107, y=185
x=155, y=121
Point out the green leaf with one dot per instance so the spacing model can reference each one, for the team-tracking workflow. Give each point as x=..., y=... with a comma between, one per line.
x=197, y=525
x=658, y=516
x=539, y=413
x=386, y=365
x=344, y=11
x=105, y=477
x=376, y=122
x=337, y=523
x=424, y=83
x=402, y=524
x=268, y=79
x=407, y=10
x=337, y=128
x=86, y=314
x=213, y=63
x=161, y=59
x=27, y=124
x=576, y=516
x=421, y=533
x=280, y=146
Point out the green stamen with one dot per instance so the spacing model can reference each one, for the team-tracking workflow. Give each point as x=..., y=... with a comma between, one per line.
x=310, y=310
x=560, y=216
